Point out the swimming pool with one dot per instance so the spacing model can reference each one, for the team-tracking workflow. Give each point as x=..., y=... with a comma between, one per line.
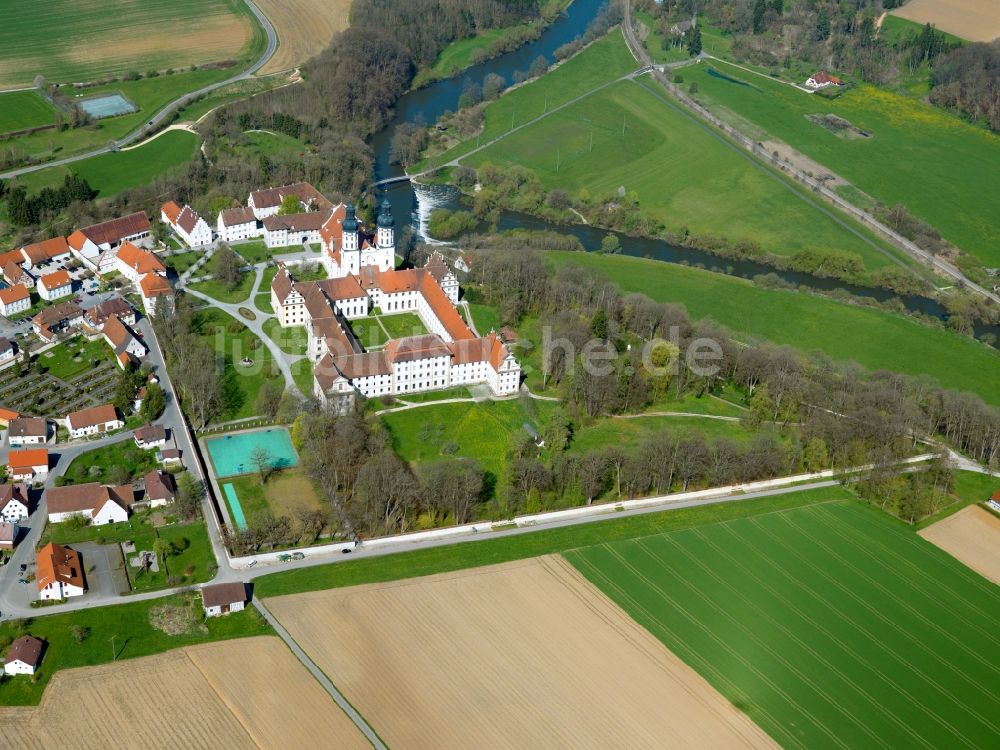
x=110, y=105
x=234, y=506
x=232, y=455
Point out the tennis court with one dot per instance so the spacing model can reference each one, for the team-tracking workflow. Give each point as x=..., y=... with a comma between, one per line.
x=233, y=455
x=111, y=105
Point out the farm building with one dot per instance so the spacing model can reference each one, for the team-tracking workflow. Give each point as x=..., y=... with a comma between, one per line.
x=14, y=299
x=93, y=421
x=59, y=572
x=223, y=598
x=8, y=535
x=14, y=502
x=55, y=285
x=54, y=250
x=98, y=503
x=28, y=464
x=187, y=224
x=23, y=656
x=97, y=246
x=821, y=80
x=27, y=431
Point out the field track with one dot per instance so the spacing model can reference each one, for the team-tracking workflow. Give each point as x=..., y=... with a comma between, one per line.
x=831, y=626
x=973, y=537
x=975, y=20
x=524, y=654
x=305, y=28
x=234, y=694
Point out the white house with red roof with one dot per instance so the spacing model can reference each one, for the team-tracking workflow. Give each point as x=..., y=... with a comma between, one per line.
x=53, y=250
x=187, y=224
x=97, y=246
x=14, y=299
x=55, y=285
x=93, y=421
x=14, y=273
x=822, y=79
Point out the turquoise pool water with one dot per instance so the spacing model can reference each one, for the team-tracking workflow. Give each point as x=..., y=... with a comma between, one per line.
x=234, y=506
x=232, y=454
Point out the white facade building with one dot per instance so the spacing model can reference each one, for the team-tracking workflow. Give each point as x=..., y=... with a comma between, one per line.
x=193, y=230
x=236, y=224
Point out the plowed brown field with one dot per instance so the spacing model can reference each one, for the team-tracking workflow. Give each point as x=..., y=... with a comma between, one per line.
x=305, y=28
x=975, y=20
x=971, y=536
x=250, y=692
x=526, y=654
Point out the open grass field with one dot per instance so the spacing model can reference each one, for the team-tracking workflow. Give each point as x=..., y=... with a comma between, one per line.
x=515, y=652
x=975, y=20
x=24, y=109
x=971, y=536
x=938, y=165
x=305, y=28
x=112, y=173
x=831, y=626
x=135, y=637
x=293, y=340
x=214, y=289
x=74, y=358
x=287, y=493
x=401, y=325
x=895, y=29
x=628, y=432
x=369, y=332
x=485, y=317
x=84, y=40
x=221, y=695
x=872, y=338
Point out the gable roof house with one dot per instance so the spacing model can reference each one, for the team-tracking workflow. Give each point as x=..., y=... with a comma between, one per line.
x=52, y=321
x=28, y=464
x=15, y=503
x=238, y=224
x=113, y=307
x=151, y=288
x=59, y=572
x=266, y=203
x=437, y=267
x=98, y=503
x=126, y=347
x=27, y=431
x=97, y=246
x=160, y=488
x=8, y=534
x=150, y=436
x=186, y=223
x=55, y=285
x=14, y=299
x=94, y=421
x=55, y=249
x=223, y=598
x=14, y=273
x=6, y=350
x=822, y=79
x=23, y=656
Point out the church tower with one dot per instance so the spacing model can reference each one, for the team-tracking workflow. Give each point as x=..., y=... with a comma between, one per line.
x=350, y=252
x=385, y=240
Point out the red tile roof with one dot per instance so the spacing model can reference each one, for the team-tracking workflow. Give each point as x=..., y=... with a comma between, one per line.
x=27, y=458
x=220, y=594
x=91, y=496
x=58, y=563
x=93, y=416
x=112, y=232
x=306, y=193
x=41, y=252
x=55, y=280
x=188, y=219
x=14, y=293
x=139, y=260
x=171, y=210
x=154, y=286
x=234, y=216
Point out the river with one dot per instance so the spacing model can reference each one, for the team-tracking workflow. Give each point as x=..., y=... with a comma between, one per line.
x=427, y=104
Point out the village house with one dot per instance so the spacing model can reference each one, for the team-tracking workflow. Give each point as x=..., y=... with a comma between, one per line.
x=134, y=262
x=150, y=436
x=238, y=224
x=266, y=203
x=6, y=415
x=126, y=347
x=23, y=656
x=187, y=224
x=8, y=535
x=14, y=502
x=94, y=421
x=14, y=299
x=222, y=598
x=52, y=321
x=55, y=285
x=97, y=246
x=161, y=488
x=6, y=350
x=152, y=288
x=443, y=275
x=113, y=307
x=28, y=464
x=54, y=250
x=294, y=229
x=169, y=457
x=14, y=274
x=58, y=572
x=464, y=263
x=821, y=80
x=98, y=503
x=27, y=431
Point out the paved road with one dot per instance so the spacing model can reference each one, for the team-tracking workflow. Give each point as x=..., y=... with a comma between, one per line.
x=154, y=122
x=321, y=678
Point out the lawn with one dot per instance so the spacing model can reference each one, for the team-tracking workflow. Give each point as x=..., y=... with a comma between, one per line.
x=629, y=433
x=234, y=341
x=302, y=374
x=830, y=625
x=97, y=465
x=937, y=164
x=287, y=493
x=485, y=317
x=181, y=262
x=133, y=636
x=24, y=109
x=873, y=338
x=402, y=324
x=368, y=332
x=112, y=173
x=191, y=558
x=682, y=173
x=292, y=340
x=74, y=357
x=263, y=303
x=484, y=431
x=660, y=49
x=86, y=39
x=252, y=252
x=214, y=289
x=518, y=547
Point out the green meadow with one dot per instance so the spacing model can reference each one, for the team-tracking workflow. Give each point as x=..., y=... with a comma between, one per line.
x=24, y=109
x=872, y=338
x=830, y=625
x=114, y=172
x=941, y=167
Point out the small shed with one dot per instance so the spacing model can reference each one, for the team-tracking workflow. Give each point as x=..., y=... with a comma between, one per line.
x=223, y=598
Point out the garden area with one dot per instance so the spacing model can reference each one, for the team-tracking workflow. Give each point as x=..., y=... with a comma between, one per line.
x=76, y=376
x=401, y=325
x=293, y=340
x=119, y=463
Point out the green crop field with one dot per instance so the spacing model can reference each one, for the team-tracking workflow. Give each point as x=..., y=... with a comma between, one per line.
x=84, y=40
x=938, y=165
x=24, y=109
x=872, y=338
x=112, y=173
x=830, y=626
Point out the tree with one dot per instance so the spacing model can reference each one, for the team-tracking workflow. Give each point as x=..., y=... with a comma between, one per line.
x=611, y=244
x=125, y=391
x=815, y=456
x=822, y=31
x=154, y=404
x=79, y=633
x=694, y=41
x=389, y=490
x=759, y=9
x=454, y=487
x=262, y=460
x=269, y=398
x=228, y=266
x=538, y=67
x=190, y=492
x=493, y=85
x=290, y=204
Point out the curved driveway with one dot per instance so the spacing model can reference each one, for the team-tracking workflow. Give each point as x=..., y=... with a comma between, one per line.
x=154, y=122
